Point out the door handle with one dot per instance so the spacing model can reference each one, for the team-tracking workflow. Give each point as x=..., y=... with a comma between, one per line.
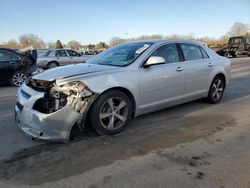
x=12, y=62
x=210, y=64
x=179, y=69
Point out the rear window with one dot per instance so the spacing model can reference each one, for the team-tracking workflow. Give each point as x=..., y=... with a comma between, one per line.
x=61, y=53
x=204, y=53
x=191, y=52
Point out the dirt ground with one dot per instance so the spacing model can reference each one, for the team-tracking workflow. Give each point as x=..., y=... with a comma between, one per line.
x=153, y=147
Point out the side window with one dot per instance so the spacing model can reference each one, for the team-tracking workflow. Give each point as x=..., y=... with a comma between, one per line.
x=52, y=54
x=61, y=53
x=204, y=53
x=169, y=52
x=7, y=56
x=191, y=52
x=73, y=53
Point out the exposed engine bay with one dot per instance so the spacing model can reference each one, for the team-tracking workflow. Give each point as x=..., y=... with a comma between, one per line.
x=74, y=94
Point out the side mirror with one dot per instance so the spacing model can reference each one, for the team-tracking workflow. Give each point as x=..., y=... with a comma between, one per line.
x=154, y=60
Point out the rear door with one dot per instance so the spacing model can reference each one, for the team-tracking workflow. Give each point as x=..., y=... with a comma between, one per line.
x=62, y=57
x=198, y=69
x=75, y=57
x=162, y=85
x=9, y=62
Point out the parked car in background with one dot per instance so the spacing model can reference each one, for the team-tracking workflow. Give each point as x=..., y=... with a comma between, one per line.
x=55, y=57
x=40, y=52
x=15, y=67
x=122, y=82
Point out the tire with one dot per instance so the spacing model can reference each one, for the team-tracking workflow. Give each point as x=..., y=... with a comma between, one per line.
x=227, y=55
x=104, y=115
x=18, y=78
x=216, y=90
x=52, y=64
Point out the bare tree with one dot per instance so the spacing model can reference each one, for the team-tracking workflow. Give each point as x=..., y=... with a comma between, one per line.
x=116, y=40
x=239, y=29
x=101, y=46
x=59, y=44
x=73, y=45
x=31, y=40
x=12, y=44
x=51, y=45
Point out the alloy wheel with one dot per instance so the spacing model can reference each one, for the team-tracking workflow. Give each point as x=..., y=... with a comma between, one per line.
x=113, y=113
x=18, y=79
x=217, y=90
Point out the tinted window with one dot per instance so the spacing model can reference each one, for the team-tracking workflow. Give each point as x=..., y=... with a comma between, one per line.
x=73, y=53
x=204, y=54
x=61, y=53
x=46, y=53
x=191, y=52
x=7, y=56
x=52, y=54
x=169, y=52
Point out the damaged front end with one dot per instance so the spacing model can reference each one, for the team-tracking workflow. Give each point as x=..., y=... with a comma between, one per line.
x=74, y=94
x=56, y=111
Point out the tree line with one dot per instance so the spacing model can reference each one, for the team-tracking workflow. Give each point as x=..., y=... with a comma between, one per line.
x=238, y=29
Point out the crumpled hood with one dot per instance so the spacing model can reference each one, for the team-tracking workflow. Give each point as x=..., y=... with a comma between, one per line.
x=71, y=70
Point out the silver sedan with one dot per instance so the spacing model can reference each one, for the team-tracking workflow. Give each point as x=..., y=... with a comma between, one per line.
x=51, y=58
x=120, y=83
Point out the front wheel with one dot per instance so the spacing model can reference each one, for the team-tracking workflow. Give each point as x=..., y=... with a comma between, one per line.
x=216, y=90
x=111, y=112
x=18, y=78
x=52, y=65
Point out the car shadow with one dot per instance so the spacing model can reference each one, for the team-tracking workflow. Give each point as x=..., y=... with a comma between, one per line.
x=237, y=88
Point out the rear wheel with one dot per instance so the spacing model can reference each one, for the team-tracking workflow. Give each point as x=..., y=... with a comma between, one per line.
x=52, y=65
x=111, y=112
x=18, y=78
x=216, y=90
x=227, y=54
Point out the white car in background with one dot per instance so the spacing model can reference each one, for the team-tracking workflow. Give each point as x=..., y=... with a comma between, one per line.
x=55, y=57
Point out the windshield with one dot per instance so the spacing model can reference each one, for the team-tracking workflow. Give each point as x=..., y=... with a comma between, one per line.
x=45, y=53
x=235, y=40
x=120, y=55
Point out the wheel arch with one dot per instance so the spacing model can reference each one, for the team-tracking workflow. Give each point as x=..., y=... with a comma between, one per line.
x=119, y=88
x=127, y=92
x=221, y=75
x=86, y=124
x=53, y=61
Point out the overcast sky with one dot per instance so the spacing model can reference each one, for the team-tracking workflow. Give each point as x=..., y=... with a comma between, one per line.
x=99, y=20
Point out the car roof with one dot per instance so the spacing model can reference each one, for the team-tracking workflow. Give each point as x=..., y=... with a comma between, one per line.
x=11, y=50
x=58, y=49
x=161, y=41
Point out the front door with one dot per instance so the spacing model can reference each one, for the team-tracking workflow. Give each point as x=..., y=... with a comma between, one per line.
x=62, y=57
x=75, y=57
x=161, y=85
